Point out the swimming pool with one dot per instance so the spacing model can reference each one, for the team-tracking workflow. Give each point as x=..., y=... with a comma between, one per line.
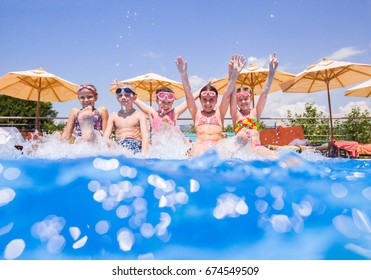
x=118, y=207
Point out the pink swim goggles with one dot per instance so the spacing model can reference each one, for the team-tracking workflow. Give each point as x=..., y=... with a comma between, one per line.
x=210, y=93
x=164, y=94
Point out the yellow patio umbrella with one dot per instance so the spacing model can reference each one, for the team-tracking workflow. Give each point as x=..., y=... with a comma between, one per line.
x=255, y=77
x=326, y=75
x=361, y=90
x=147, y=84
x=37, y=85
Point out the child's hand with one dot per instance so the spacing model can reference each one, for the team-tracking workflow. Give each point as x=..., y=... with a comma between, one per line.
x=236, y=64
x=181, y=64
x=273, y=62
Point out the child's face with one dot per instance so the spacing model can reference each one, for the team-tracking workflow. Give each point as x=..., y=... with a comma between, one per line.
x=208, y=102
x=125, y=98
x=87, y=98
x=244, y=102
x=164, y=106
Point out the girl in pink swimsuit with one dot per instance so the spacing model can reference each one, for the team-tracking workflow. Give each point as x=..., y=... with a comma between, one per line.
x=209, y=120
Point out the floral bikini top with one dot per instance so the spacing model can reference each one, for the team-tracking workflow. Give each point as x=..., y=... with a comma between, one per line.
x=248, y=123
x=208, y=120
x=97, y=121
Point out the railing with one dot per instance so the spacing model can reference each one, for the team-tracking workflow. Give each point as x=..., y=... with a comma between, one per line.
x=184, y=123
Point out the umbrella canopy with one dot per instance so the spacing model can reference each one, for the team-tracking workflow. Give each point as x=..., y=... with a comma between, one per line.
x=37, y=85
x=255, y=77
x=147, y=84
x=361, y=90
x=326, y=75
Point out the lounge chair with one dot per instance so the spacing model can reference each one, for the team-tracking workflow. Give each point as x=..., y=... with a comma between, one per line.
x=289, y=137
x=351, y=149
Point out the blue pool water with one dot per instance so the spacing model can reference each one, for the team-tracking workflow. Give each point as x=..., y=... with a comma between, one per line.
x=119, y=207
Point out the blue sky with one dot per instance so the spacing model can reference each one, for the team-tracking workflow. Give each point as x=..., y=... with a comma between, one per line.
x=97, y=41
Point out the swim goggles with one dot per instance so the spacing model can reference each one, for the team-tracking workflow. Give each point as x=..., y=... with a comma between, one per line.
x=88, y=87
x=208, y=92
x=245, y=92
x=126, y=90
x=165, y=94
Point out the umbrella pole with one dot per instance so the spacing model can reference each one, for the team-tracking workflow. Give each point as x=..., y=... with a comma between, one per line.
x=37, y=127
x=329, y=105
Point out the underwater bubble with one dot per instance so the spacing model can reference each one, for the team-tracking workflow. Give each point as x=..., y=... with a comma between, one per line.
x=194, y=185
x=219, y=212
x=102, y=227
x=137, y=191
x=181, y=197
x=161, y=183
x=297, y=224
x=278, y=204
x=14, y=249
x=11, y=173
x=125, y=186
x=152, y=179
x=80, y=243
x=106, y=164
x=55, y=244
x=277, y=191
x=147, y=230
x=260, y=192
x=6, y=196
x=148, y=256
x=261, y=206
x=100, y=195
x=242, y=208
x=339, y=190
x=139, y=204
x=345, y=226
x=93, y=186
x=113, y=189
x=74, y=232
x=358, y=250
x=170, y=186
x=163, y=202
x=109, y=203
x=305, y=208
x=137, y=220
x=49, y=227
x=123, y=211
x=129, y=172
x=165, y=220
x=361, y=220
x=6, y=229
x=367, y=193
x=280, y=223
x=125, y=239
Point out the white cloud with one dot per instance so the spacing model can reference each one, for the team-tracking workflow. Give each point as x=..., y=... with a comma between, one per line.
x=345, y=53
x=259, y=62
x=348, y=107
x=196, y=82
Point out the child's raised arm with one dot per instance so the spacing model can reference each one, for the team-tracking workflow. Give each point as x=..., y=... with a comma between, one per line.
x=143, y=106
x=235, y=66
x=273, y=64
x=191, y=104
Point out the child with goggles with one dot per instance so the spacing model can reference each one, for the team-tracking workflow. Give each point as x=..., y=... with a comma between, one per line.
x=130, y=125
x=210, y=120
x=246, y=120
x=86, y=122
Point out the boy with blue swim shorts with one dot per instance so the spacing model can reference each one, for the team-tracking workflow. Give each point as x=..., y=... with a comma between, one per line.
x=129, y=125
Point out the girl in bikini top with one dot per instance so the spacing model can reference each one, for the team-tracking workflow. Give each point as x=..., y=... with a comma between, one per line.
x=213, y=120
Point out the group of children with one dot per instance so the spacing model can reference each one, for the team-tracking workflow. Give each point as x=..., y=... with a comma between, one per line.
x=128, y=127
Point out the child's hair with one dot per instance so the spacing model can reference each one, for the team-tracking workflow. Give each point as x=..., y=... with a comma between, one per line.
x=209, y=87
x=245, y=88
x=164, y=89
x=89, y=87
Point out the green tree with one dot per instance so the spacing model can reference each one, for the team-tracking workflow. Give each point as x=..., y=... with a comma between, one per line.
x=15, y=107
x=314, y=124
x=357, y=127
